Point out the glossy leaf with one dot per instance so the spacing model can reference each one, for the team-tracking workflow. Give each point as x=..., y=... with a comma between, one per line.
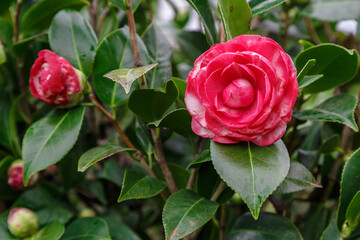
x=160, y=51
x=334, y=10
x=269, y=226
x=39, y=16
x=192, y=44
x=337, y=64
x=184, y=212
x=87, y=228
x=2, y=53
x=49, y=139
x=151, y=104
x=112, y=172
x=4, y=5
x=114, y=52
x=252, y=171
x=72, y=37
x=349, y=186
x=297, y=179
x=302, y=73
x=119, y=230
x=331, y=144
x=178, y=121
x=143, y=136
x=181, y=85
x=122, y=4
x=203, y=9
x=139, y=185
x=203, y=157
x=314, y=222
x=260, y=6
x=53, y=231
x=353, y=213
x=307, y=80
x=339, y=108
x=331, y=232
x=99, y=153
x=50, y=214
x=126, y=76
x=236, y=16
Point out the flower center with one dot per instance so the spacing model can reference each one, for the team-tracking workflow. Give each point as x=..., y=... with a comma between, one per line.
x=240, y=93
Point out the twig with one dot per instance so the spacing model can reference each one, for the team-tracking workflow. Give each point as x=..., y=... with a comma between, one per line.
x=162, y=162
x=220, y=188
x=329, y=32
x=142, y=82
x=345, y=136
x=101, y=20
x=194, y=171
x=93, y=9
x=16, y=21
x=311, y=30
x=286, y=30
x=222, y=223
x=221, y=33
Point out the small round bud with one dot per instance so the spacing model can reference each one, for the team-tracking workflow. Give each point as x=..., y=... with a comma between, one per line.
x=87, y=212
x=15, y=176
x=22, y=222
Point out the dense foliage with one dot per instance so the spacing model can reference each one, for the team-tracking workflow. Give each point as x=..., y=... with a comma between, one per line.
x=98, y=115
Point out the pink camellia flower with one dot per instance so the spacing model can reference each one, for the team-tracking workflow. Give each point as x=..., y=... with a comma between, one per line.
x=55, y=81
x=22, y=222
x=242, y=90
x=15, y=176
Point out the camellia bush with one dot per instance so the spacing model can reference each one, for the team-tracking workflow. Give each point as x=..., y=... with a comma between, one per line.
x=118, y=124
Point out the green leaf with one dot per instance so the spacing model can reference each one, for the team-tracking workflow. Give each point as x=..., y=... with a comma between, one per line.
x=114, y=52
x=151, y=104
x=99, y=153
x=330, y=145
x=306, y=44
x=2, y=53
x=143, y=136
x=337, y=64
x=353, y=213
x=4, y=230
x=236, y=16
x=160, y=51
x=53, y=231
x=119, y=231
x=39, y=16
x=339, y=108
x=302, y=73
x=126, y=76
x=297, y=179
x=334, y=10
x=122, y=4
x=252, y=171
x=184, y=212
x=51, y=214
x=192, y=44
x=349, y=186
x=49, y=139
x=112, y=172
x=203, y=157
x=87, y=229
x=331, y=232
x=260, y=6
x=269, y=226
x=314, y=222
x=95, y=188
x=181, y=85
x=307, y=80
x=4, y=5
x=72, y=37
x=178, y=121
x=139, y=185
x=203, y=8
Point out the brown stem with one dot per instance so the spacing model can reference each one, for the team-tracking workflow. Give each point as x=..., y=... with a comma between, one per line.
x=125, y=138
x=113, y=122
x=292, y=137
x=194, y=171
x=162, y=162
x=311, y=30
x=101, y=20
x=220, y=188
x=16, y=23
x=221, y=33
x=222, y=223
x=93, y=9
x=286, y=30
x=345, y=136
x=329, y=32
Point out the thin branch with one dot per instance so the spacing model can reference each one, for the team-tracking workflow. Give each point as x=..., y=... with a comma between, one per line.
x=220, y=188
x=101, y=20
x=222, y=223
x=286, y=30
x=311, y=30
x=16, y=23
x=194, y=171
x=162, y=162
x=329, y=32
x=93, y=9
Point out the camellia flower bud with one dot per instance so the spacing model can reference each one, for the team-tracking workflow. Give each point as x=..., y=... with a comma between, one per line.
x=15, y=176
x=87, y=212
x=55, y=81
x=22, y=222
